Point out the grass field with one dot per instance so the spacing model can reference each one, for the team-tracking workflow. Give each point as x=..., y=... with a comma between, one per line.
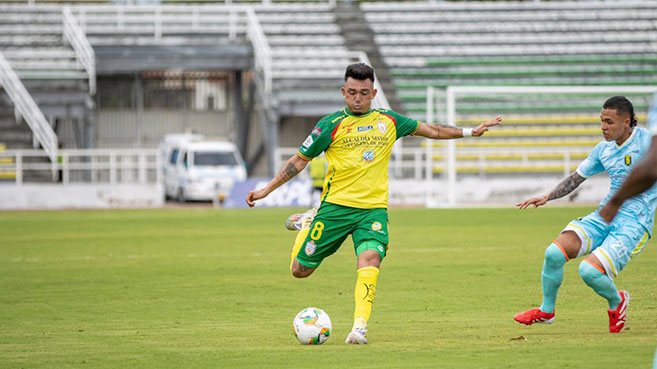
x=211, y=289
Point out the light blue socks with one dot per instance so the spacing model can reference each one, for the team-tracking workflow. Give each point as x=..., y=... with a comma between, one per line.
x=552, y=276
x=600, y=283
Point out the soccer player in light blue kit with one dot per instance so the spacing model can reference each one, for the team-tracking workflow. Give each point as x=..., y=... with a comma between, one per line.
x=608, y=246
x=642, y=177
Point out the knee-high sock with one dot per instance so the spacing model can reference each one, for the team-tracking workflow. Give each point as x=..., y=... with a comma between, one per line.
x=600, y=283
x=364, y=295
x=301, y=236
x=552, y=275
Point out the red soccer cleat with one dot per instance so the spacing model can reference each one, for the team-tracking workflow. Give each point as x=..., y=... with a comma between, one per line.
x=535, y=315
x=617, y=317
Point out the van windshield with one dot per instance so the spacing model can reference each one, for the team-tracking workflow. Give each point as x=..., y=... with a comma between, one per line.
x=214, y=158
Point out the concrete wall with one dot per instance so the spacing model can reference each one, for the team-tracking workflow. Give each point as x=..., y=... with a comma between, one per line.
x=504, y=192
x=51, y=196
x=125, y=128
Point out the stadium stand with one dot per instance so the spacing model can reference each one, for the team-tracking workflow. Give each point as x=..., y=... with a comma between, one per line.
x=7, y=165
x=300, y=59
x=515, y=43
x=308, y=57
x=32, y=41
x=442, y=44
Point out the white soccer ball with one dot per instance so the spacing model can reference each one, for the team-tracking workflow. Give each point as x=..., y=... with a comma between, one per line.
x=312, y=326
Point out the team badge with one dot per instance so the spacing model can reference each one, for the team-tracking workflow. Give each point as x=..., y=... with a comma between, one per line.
x=365, y=128
x=317, y=131
x=628, y=160
x=376, y=226
x=382, y=127
x=368, y=155
x=310, y=248
x=308, y=141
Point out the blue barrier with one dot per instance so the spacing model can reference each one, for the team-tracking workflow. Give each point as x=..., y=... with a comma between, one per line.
x=295, y=193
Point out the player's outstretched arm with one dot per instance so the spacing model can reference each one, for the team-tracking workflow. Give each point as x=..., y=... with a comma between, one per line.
x=291, y=168
x=640, y=179
x=445, y=132
x=568, y=185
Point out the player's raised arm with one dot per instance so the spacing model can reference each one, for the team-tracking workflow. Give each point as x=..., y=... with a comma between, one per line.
x=291, y=168
x=568, y=185
x=446, y=132
x=640, y=179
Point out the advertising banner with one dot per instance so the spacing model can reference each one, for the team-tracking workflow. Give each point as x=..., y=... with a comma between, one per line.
x=295, y=193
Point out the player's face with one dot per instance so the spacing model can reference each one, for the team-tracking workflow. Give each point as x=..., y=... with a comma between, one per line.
x=358, y=95
x=614, y=127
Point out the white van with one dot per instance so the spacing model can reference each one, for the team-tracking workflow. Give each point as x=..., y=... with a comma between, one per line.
x=196, y=168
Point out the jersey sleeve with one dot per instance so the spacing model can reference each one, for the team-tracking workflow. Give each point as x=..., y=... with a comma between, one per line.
x=317, y=141
x=405, y=126
x=592, y=164
x=652, y=116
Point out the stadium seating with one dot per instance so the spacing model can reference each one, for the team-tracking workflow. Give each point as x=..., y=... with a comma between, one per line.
x=31, y=39
x=7, y=165
x=308, y=57
x=424, y=44
x=442, y=44
x=514, y=43
x=304, y=39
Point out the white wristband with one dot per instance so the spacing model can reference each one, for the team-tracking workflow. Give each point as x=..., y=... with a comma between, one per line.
x=467, y=132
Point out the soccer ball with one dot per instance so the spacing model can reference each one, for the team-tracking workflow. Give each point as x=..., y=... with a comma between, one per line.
x=312, y=326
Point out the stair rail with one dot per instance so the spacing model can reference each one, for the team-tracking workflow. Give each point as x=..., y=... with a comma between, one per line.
x=84, y=53
x=261, y=49
x=380, y=100
x=26, y=108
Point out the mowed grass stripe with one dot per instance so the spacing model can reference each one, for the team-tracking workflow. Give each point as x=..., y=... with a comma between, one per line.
x=211, y=289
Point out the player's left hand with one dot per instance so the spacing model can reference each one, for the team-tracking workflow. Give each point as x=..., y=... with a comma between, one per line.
x=483, y=127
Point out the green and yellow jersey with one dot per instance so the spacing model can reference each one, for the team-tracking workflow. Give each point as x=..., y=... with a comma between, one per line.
x=357, y=150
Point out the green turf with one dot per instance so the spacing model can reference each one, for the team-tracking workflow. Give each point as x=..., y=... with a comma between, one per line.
x=211, y=289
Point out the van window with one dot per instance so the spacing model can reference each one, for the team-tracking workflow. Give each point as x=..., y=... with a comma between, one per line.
x=214, y=158
x=184, y=159
x=174, y=156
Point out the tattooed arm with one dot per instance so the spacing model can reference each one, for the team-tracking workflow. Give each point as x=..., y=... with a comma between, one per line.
x=443, y=131
x=291, y=168
x=568, y=185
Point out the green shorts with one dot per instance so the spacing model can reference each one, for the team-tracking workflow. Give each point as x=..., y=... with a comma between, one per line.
x=333, y=223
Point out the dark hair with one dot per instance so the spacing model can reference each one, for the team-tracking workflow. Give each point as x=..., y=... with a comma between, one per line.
x=359, y=71
x=622, y=106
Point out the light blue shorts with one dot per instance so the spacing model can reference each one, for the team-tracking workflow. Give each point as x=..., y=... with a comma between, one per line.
x=613, y=244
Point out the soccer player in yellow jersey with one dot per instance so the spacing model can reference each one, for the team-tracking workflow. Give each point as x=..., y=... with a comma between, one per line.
x=357, y=142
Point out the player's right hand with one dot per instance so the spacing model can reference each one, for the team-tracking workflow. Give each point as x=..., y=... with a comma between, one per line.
x=609, y=210
x=536, y=201
x=252, y=196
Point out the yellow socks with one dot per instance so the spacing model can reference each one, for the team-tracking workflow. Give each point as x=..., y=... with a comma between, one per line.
x=301, y=236
x=364, y=295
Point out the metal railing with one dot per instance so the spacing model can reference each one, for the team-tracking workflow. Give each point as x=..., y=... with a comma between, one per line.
x=419, y=164
x=158, y=2
x=380, y=100
x=84, y=53
x=26, y=108
x=79, y=166
x=118, y=19
x=261, y=49
x=451, y=165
